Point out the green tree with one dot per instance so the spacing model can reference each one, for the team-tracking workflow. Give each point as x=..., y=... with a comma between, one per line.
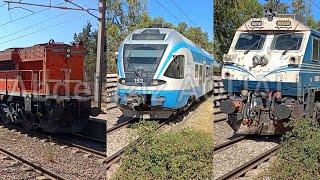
x=301, y=9
x=277, y=6
x=89, y=38
x=124, y=16
x=229, y=15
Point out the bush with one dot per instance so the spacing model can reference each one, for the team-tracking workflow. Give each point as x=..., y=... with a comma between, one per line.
x=185, y=154
x=299, y=157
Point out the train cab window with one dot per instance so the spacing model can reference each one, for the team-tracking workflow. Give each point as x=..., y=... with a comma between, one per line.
x=176, y=68
x=287, y=41
x=196, y=71
x=144, y=57
x=315, y=50
x=200, y=75
x=250, y=41
x=208, y=72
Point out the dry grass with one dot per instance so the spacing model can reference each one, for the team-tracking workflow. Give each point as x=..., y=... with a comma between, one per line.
x=202, y=119
x=49, y=155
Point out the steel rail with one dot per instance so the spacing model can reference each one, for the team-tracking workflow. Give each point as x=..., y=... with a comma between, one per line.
x=239, y=171
x=36, y=167
x=116, y=156
x=59, y=141
x=228, y=144
x=121, y=125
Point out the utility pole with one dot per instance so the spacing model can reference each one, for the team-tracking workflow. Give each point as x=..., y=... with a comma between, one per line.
x=100, y=53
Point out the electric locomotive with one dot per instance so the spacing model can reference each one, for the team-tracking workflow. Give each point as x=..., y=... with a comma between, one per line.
x=271, y=73
x=161, y=72
x=42, y=87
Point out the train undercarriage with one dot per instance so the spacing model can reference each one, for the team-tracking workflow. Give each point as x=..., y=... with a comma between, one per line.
x=50, y=115
x=265, y=113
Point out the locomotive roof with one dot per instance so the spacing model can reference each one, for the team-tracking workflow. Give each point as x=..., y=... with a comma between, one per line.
x=20, y=54
x=276, y=23
x=170, y=36
x=36, y=45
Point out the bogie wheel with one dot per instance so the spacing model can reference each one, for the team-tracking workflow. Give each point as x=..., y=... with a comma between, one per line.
x=28, y=121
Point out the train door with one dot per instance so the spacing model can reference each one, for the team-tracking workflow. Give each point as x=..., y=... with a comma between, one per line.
x=200, y=78
x=204, y=83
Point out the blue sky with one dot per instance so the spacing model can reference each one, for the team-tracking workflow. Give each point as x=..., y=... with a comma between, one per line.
x=66, y=23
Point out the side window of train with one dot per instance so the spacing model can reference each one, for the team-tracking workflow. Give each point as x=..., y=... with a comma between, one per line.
x=207, y=71
x=196, y=72
x=200, y=74
x=315, y=49
x=176, y=68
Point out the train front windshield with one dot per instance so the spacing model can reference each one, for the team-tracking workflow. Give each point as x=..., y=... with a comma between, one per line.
x=144, y=57
x=250, y=41
x=288, y=41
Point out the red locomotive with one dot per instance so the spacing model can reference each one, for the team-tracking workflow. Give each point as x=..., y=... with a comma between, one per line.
x=42, y=87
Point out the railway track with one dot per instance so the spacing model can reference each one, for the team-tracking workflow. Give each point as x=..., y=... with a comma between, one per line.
x=45, y=173
x=90, y=151
x=121, y=125
x=66, y=141
x=253, y=163
x=116, y=156
x=226, y=145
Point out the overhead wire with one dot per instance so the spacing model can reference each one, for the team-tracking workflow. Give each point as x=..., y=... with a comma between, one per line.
x=34, y=25
x=3, y=4
x=177, y=6
x=314, y=4
x=23, y=17
x=39, y=24
x=168, y=11
x=57, y=24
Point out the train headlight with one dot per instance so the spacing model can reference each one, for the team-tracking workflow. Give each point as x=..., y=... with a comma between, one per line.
x=227, y=59
x=255, y=60
x=244, y=92
x=157, y=82
x=122, y=80
x=294, y=60
x=264, y=61
x=68, y=53
x=227, y=75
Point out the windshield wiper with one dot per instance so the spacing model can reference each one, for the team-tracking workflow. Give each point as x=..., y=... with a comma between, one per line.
x=252, y=46
x=295, y=44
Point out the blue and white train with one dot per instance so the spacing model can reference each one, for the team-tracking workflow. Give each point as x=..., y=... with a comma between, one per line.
x=160, y=72
x=272, y=74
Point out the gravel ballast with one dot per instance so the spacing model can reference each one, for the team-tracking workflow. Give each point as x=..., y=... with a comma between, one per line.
x=66, y=161
x=239, y=154
x=223, y=133
x=13, y=169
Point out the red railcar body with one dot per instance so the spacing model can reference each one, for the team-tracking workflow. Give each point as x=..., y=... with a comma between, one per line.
x=44, y=69
x=42, y=87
